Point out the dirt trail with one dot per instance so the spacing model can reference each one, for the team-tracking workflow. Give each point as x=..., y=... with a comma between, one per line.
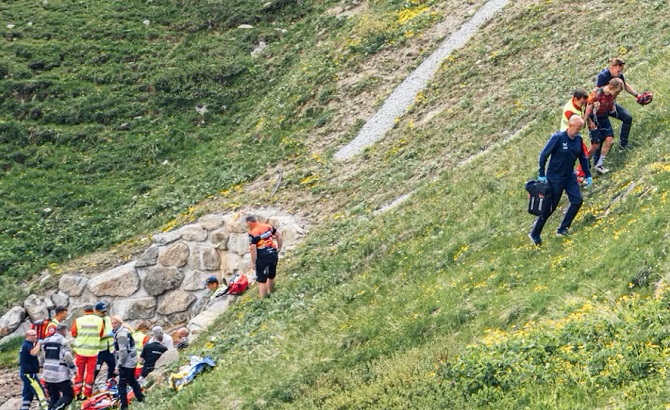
x=404, y=95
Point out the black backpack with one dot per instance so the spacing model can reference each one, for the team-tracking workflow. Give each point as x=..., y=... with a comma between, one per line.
x=539, y=197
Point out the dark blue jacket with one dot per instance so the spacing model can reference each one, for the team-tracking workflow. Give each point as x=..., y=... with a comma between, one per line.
x=27, y=362
x=564, y=152
x=605, y=76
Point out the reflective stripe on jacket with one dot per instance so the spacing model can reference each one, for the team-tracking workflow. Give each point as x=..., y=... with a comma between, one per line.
x=107, y=340
x=57, y=359
x=87, y=341
x=139, y=345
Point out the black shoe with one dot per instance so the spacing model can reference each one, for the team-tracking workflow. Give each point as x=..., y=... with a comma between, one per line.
x=563, y=232
x=537, y=241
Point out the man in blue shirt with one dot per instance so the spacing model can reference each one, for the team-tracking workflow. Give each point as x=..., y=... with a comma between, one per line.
x=615, y=70
x=563, y=149
x=28, y=368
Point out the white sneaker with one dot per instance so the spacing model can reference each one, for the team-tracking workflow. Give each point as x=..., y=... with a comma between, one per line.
x=601, y=169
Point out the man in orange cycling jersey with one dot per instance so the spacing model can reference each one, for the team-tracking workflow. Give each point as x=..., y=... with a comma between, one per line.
x=265, y=243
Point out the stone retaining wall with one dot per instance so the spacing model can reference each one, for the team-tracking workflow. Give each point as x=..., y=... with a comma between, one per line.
x=166, y=284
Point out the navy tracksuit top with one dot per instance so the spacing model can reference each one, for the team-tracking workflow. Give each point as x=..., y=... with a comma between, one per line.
x=564, y=152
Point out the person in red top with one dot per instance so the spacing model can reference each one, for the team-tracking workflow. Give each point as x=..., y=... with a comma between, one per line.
x=577, y=106
x=602, y=101
x=265, y=243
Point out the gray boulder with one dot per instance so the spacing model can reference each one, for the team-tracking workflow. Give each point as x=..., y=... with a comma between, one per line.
x=72, y=285
x=120, y=281
x=193, y=233
x=167, y=238
x=11, y=320
x=175, y=255
x=148, y=258
x=160, y=279
x=175, y=302
x=211, y=221
x=36, y=308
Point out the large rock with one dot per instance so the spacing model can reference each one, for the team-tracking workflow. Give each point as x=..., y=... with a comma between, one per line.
x=170, y=356
x=175, y=302
x=72, y=285
x=11, y=320
x=193, y=233
x=36, y=308
x=148, y=258
x=60, y=299
x=12, y=404
x=219, y=239
x=134, y=309
x=236, y=222
x=230, y=263
x=238, y=243
x=204, y=258
x=208, y=316
x=120, y=281
x=194, y=280
x=175, y=255
x=160, y=279
x=167, y=238
x=211, y=221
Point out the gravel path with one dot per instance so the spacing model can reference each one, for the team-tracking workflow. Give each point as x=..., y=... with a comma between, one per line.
x=404, y=94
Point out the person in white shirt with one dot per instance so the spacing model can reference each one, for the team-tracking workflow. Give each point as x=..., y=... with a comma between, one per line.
x=159, y=336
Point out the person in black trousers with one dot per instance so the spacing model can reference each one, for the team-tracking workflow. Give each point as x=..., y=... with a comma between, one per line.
x=562, y=150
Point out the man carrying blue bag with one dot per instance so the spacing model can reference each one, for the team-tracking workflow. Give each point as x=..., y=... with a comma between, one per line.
x=562, y=150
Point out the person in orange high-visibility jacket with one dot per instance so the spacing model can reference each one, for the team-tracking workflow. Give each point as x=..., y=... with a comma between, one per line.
x=88, y=332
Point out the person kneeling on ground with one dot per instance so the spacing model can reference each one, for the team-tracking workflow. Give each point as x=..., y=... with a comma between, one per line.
x=151, y=352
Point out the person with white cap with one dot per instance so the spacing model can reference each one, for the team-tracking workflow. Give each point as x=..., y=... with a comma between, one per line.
x=159, y=336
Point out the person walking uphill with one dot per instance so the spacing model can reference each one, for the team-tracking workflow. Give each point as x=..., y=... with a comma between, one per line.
x=601, y=103
x=87, y=331
x=28, y=368
x=265, y=245
x=58, y=369
x=126, y=361
x=615, y=70
x=564, y=148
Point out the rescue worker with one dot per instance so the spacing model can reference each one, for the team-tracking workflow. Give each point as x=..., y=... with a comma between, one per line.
x=141, y=339
x=213, y=285
x=159, y=336
x=577, y=106
x=58, y=369
x=87, y=331
x=126, y=360
x=106, y=353
x=28, y=367
x=562, y=150
x=265, y=243
x=150, y=354
x=60, y=314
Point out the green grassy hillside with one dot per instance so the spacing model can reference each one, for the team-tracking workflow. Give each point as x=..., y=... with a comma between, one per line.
x=442, y=302
x=100, y=136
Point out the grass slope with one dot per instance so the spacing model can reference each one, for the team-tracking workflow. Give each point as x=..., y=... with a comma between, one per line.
x=100, y=139
x=442, y=302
